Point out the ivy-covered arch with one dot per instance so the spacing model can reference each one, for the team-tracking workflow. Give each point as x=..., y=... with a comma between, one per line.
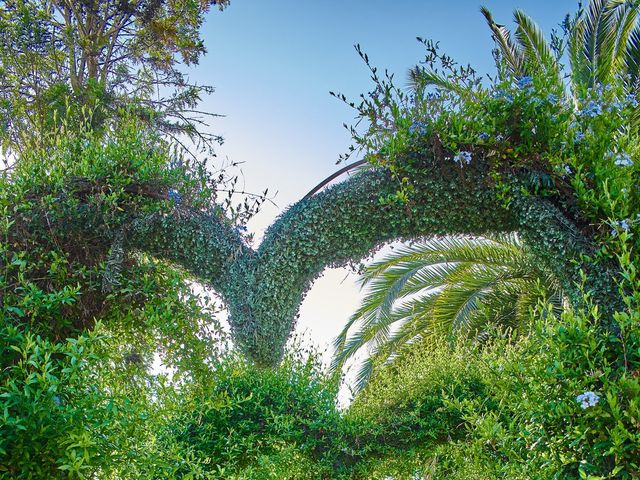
x=263, y=288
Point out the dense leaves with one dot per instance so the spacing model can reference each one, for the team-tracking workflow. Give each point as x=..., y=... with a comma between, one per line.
x=101, y=239
x=81, y=62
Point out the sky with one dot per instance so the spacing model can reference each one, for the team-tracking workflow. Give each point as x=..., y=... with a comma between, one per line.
x=273, y=63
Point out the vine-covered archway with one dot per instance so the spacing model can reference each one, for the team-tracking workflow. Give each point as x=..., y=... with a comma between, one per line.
x=263, y=288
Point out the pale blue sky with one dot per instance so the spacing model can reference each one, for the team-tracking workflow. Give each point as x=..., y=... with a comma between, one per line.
x=273, y=64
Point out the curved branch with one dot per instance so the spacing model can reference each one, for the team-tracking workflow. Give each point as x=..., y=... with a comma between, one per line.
x=202, y=243
x=333, y=176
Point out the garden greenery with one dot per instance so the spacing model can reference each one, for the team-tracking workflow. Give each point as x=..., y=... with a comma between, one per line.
x=101, y=234
x=456, y=287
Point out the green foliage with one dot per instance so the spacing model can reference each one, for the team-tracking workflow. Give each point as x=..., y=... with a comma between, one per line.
x=77, y=397
x=94, y=226
x=118, y=204
x=64, y=219
x=575, y=147
x=525, y=416
x=455, y=287
x=256, y=423
x=84, y=61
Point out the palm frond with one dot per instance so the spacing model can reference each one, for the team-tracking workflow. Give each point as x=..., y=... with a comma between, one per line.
x=632, y=60
x=618, y=22
x=509, y=50
x=577, y=59
x=419, y=78
x=537, y=52
x=594, y=29
x=443, y=286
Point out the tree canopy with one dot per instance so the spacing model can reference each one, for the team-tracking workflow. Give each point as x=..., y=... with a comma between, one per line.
x=86, y=60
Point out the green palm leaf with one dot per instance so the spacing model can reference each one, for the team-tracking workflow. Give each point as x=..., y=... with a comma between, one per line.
x=537, y=52
x=420, y=77
x=510, y=51
x=618, y=22
x=453, y=286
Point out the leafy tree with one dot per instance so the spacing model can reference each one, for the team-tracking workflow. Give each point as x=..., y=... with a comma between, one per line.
x=87, y=59
x=452, y=286
x=81, y=327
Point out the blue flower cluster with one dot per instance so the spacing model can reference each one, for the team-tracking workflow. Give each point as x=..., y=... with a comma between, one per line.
x=174, y=195
x=483, y=136
x=419, y=128
x=463, y=157
x=623, y=160
x=592, y=109
x=587, y=399
x=578, y=136
x=631, y=101
x=525, y=82
x=501, y=94
x=622, y=224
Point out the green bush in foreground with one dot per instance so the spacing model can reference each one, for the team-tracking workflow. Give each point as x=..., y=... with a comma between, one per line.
x=254, y=423
x=559, y=404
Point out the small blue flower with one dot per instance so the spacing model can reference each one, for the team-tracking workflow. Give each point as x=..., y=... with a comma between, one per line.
x=483, y=136
x=592, y=109
x=419, y=128
x=631, y=100
x=174, y=195
x=587, y=399
x=598, y=90
x=524, y=82
x=501, y=94
x=552, y=98
x=623, y=160
x=463, y=157
x=175, y=163
x=499, y=137
x=578, y=136
x=616, y=106
x=622, y=224
x=567, y=169
x=56, y=400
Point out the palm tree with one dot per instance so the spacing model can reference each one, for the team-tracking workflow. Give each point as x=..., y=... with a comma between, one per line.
x=603, y=45
x=456, y=286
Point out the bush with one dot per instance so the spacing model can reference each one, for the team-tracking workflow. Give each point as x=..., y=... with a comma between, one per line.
x=561, y=403
x=258, y=423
